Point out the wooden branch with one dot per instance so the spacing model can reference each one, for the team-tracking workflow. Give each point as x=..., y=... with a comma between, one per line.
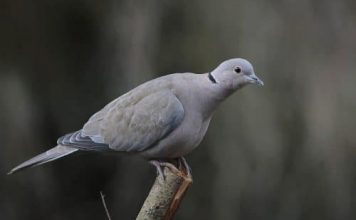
x=166, y=195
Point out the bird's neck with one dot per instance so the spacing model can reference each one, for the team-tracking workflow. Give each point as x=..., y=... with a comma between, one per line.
x=212, y=95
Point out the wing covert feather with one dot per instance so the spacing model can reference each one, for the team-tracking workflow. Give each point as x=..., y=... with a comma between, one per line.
x=135, y=123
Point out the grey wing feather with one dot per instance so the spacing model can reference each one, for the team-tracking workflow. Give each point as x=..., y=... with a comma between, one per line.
x=135, y=122
x=77, y=140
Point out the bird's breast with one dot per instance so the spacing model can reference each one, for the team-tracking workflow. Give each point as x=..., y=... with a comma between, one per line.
x=181, y=141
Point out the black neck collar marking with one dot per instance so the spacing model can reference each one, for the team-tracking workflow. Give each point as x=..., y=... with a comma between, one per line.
x=211, y=78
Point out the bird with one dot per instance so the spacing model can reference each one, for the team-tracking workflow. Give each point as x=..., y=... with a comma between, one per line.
x=162, y=119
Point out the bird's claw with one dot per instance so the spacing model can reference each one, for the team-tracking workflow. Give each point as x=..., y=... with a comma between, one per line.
x=159, y=164
x=183, y=162
x=182, y=165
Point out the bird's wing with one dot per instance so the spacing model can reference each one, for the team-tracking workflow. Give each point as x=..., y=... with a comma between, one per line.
x=79, y=141
x=133, y=122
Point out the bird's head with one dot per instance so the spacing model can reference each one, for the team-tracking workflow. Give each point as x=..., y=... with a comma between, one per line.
x=234, y=74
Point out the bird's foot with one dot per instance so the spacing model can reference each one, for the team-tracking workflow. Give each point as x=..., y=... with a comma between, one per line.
x=182, y=162
x=159, y=164
x=182, y=165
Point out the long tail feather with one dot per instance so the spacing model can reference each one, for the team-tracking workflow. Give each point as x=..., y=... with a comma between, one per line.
x=48, y=156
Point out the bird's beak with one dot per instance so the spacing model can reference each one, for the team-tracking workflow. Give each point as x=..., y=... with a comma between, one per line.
x=255, y=80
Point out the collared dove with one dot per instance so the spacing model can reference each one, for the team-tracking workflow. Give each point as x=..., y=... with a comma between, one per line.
x=164, y=118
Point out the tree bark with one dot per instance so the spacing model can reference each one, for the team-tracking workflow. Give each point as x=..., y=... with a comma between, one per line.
x=166, y=195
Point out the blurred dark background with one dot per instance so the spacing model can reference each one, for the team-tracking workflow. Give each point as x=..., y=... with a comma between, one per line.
x=283, y=151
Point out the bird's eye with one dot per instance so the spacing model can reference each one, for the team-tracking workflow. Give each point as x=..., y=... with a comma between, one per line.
x=237, y=70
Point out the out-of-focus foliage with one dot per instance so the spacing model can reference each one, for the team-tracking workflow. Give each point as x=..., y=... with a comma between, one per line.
x=284, y=151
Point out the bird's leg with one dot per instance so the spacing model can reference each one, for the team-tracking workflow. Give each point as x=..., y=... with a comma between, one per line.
x=158, y=168
x=159, y=164
x=183, y=161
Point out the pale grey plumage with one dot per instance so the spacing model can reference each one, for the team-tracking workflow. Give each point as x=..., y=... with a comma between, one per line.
x=163, y=118
x=137, y=120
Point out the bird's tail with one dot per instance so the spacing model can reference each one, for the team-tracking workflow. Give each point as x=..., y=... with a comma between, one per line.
x=48, y=156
